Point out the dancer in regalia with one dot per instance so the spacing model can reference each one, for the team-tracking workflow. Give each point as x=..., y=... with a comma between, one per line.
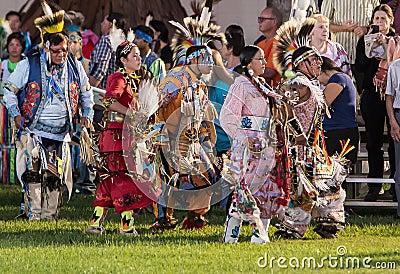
x=257, y=164
x=43, y=95
x=315, y=178
x=188, y=113
x=124, y=183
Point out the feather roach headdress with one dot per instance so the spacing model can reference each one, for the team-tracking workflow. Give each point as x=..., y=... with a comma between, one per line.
x=194, y=32
x=290, y=36
x=50, y=22
x=197, y=6
x=117, y=37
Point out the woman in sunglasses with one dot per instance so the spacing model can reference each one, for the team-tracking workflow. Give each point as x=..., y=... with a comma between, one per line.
x=248, y=117
x=75, y=39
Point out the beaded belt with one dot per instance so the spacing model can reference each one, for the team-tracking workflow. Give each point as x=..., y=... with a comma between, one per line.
x=50, y=129
x=254, y=123
x=114, y=116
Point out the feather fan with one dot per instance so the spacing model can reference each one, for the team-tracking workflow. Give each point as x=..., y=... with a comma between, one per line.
x=149, y=98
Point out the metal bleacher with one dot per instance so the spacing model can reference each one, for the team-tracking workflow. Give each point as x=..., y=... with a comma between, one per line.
x=356, y=183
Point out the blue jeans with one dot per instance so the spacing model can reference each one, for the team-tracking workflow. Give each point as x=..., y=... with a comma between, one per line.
x=86, y=179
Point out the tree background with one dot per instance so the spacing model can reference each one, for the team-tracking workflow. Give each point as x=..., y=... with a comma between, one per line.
x=135, y=12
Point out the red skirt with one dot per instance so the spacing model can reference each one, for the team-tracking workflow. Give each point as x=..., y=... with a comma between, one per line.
x=117, y=188
x=123, y=193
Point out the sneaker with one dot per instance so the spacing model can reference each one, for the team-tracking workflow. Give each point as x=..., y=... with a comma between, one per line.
x=257, y=240
x=84, y=191
x=131, y=232
x=34, y=217
x=96, y=230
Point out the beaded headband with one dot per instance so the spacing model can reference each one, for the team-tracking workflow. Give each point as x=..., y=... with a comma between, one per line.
x=127, y=48
x=311, y=52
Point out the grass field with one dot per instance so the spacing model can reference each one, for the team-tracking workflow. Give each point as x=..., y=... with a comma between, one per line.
x=63, y=247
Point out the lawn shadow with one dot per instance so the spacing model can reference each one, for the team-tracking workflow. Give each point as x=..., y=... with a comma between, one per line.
x=78, y=237
x=371, y=216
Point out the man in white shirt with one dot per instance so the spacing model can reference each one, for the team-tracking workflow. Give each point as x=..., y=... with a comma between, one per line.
x=393, y=111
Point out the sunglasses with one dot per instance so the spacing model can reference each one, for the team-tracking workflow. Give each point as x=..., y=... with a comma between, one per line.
x=260, y=59
x=59, y=51
x=316, y=61
x=262, y=19
x=75, y=38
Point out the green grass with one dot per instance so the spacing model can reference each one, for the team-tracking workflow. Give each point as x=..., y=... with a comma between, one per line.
x=64, y=247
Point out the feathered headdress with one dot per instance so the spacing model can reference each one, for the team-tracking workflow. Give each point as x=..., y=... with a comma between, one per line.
x=117, y=37
x=290, y=36
x=50, y=22
x=149, y=17
x=198, y=6
x=195, y=32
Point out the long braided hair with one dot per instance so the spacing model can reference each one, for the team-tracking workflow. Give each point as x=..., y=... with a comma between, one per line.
x=279, y=116
x=246, y=56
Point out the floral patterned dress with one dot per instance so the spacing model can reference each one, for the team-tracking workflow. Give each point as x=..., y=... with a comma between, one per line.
x=245, y=116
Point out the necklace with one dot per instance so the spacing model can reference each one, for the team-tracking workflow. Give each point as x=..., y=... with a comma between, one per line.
x=132, y=79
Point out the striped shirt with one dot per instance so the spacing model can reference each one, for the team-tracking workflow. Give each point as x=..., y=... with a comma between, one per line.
x=339, y=11
x=393, y=83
